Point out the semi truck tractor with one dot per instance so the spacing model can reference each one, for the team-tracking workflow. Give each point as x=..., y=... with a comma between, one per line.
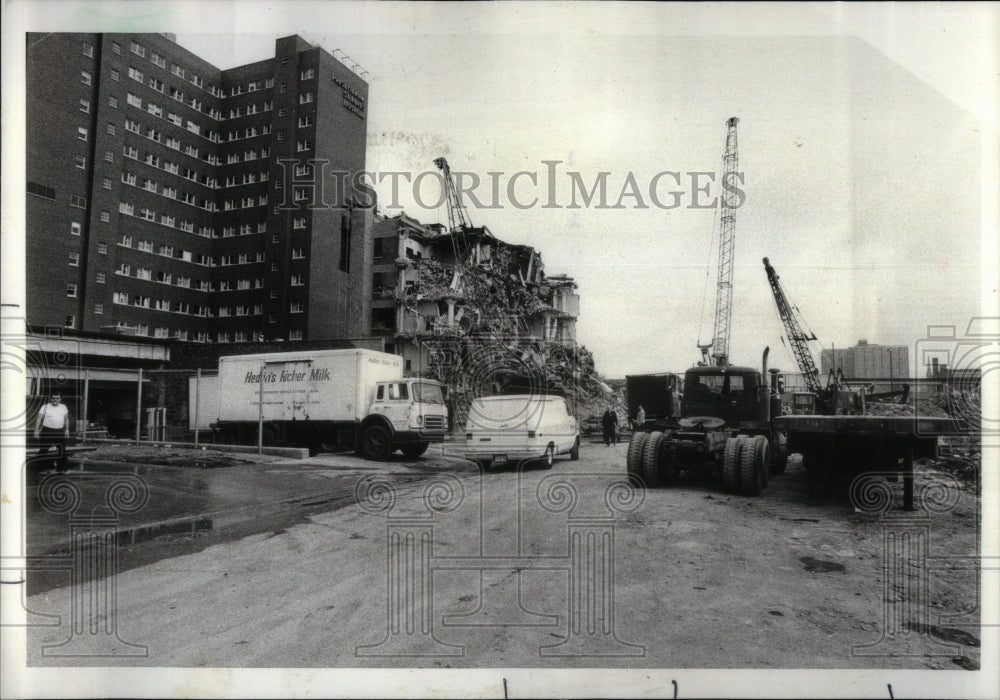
x=326, y=400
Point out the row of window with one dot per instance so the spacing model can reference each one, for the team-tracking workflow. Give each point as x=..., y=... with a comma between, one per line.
x=265, y=106
x=148, y=214
x=156, y=84
x=151, y=159
x=142, y=329
x=249, y=132
x=196, y=80
x=167, y=191
x=156, y=109
x=126, y=241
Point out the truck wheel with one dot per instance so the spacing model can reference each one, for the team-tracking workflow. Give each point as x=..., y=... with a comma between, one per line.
x=731, y=463
x=412, y=450
x=749, y=470
x=764, y=450
x=633, y=460
x=574, y=453
x=650, y=458
x=270, y=437
x=376, y=444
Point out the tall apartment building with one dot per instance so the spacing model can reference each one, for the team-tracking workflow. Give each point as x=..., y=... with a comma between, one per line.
x=867, y=361
x=175, y=199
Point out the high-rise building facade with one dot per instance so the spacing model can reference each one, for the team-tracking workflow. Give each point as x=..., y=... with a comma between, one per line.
x=174, y=199
x=867, y=361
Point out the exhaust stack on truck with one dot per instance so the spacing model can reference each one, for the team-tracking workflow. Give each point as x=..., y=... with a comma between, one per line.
x=328, y=399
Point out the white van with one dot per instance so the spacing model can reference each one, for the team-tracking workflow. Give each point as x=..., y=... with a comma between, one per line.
x=504, y=430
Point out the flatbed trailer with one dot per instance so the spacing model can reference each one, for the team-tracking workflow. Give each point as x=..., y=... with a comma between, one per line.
x=835, y=448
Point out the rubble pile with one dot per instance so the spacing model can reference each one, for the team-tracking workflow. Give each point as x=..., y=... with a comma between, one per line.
x=958, y=454
x=493, y=345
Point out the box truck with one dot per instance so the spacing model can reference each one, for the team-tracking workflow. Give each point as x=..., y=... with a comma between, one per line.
x=325, y=399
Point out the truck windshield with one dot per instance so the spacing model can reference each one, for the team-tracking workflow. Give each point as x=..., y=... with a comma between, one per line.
x=424, y=392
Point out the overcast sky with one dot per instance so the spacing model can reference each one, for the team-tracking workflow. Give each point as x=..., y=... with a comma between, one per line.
x=860, y=138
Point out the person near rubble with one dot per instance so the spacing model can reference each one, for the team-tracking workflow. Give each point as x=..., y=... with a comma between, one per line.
x=609, y=421
x=52, y=429
x=640, y=417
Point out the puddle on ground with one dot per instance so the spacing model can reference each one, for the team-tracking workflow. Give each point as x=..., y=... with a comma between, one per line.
x=820, y=566
x=945, y=634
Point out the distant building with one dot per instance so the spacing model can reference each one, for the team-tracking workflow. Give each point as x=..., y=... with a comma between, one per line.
x=169, y=198
x=866, y=361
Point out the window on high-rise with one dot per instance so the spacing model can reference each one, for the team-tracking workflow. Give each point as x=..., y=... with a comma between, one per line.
x=85, y=77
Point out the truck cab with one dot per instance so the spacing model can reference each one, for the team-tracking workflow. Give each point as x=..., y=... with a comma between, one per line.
x=412, y=405
x=405, y=414
x=731, y=393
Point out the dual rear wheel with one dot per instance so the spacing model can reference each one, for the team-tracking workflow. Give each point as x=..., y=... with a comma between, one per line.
x=745, y=464
x=647, y=461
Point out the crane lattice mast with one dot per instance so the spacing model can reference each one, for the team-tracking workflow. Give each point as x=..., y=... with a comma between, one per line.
x=458, y=220
x=798, y=338
x=728, y=202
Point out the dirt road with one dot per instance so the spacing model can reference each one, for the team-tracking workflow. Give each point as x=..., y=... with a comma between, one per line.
x=554, y=568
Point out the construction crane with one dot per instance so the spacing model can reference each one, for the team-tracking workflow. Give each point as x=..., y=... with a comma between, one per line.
x=458, y=219
x=728, y=201
x=798, y=338
x=836, y=397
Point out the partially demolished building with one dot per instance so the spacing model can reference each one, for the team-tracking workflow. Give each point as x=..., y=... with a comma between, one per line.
x=474, y=311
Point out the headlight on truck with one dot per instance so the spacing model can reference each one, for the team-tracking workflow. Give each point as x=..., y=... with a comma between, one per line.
x=420, y=420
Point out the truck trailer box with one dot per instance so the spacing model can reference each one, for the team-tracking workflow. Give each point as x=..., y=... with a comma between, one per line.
x=315, y=385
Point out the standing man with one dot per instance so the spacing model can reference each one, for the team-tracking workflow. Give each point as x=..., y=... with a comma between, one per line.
x=640, y=417
x=609, y=421
x=52, y=427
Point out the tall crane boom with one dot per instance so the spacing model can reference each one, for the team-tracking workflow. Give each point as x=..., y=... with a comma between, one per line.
x=728, y=201
x=798, y=338
x=458, y=220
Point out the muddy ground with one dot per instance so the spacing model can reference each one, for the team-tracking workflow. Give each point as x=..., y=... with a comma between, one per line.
x=683, y=577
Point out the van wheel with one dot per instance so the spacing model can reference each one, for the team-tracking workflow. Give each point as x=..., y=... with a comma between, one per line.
x=550, y=456
x=376, y=444
x=412, y=450
x=574, y=453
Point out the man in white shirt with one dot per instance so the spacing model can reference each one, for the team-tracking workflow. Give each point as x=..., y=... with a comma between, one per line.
x=52, y=427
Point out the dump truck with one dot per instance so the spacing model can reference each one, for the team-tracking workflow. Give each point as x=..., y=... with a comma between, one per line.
x=328, y=399
x=725, y=430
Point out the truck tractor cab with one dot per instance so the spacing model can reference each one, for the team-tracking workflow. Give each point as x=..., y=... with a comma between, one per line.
x=724, y=430
x=731, y=393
